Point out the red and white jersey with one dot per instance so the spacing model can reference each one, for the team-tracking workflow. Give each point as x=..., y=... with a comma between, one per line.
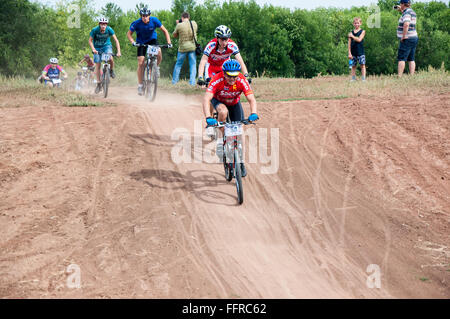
x=229, y=94
x=216, y=58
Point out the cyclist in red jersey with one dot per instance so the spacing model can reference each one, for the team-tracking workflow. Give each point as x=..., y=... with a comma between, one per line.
x=89, y=62
x=216, y=52
x=224, y=94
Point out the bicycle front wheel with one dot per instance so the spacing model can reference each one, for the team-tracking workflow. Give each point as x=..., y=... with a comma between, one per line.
x=153, y=84
x=105, y=81
x=238, y=176
x=147, y=80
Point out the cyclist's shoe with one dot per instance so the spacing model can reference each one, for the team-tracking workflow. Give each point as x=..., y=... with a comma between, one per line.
x=98, y=88
x=140, y=90
x=111, y=72
x=243, y=170
x=157, y=72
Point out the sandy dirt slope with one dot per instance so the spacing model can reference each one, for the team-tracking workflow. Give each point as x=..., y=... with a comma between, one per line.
x=358, y=183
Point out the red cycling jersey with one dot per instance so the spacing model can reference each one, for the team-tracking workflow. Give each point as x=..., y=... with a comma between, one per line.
x=217, y=58
x=89, y=62
x=229, y=94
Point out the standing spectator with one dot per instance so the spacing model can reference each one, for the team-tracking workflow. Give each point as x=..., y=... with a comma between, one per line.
x=186, y=46
x=356, y=48
x=407, y=34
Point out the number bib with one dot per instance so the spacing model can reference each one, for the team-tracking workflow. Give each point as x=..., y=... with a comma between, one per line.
x=233, y=129
x=152, y=50
x=105, y=57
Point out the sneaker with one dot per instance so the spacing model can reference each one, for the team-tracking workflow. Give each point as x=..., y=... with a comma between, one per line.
x=219, y=148
x=98, y=88
x=243, y=170
x=111, y=72
x=140, y=90
x=157, y=71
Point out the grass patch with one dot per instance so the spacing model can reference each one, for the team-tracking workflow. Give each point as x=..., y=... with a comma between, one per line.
x=423, y=279
x=33, y=90
x=424, y=83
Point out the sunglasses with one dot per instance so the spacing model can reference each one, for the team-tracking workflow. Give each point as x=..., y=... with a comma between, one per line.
x=231, y=76
x=145, y=15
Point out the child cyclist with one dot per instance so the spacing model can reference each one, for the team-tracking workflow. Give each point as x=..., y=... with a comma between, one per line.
x=356, y=49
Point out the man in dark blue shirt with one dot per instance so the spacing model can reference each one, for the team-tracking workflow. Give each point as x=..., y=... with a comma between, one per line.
x=145, y=29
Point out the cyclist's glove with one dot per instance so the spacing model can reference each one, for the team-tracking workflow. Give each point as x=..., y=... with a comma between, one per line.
x=135, y=44
x=201, y=81
x=211, y=121
x=249, y=79
x=253, y=117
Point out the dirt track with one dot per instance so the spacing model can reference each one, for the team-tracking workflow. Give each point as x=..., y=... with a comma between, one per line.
x=359, y=183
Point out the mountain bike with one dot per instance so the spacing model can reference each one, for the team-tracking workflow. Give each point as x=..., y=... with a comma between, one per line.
x=151, y=73
x=57, y=82
x=232, y=152
x=88, y=75
x=105, y=69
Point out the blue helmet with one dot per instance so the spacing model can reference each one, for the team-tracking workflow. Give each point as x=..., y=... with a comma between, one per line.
x=231, y=67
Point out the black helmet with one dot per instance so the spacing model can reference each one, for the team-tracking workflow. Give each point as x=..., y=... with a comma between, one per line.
x=145, y=11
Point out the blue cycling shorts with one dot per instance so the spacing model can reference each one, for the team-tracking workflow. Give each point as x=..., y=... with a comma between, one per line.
x=105, y=49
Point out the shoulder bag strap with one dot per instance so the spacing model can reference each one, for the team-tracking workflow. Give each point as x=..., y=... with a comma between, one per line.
x=193, y=33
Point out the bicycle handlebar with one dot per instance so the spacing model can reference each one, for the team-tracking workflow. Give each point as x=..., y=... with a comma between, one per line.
x=164, y=46
x=222, y=124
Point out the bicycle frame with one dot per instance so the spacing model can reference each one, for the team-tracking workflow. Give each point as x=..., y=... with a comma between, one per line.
x=149, y=72
x=233, y=153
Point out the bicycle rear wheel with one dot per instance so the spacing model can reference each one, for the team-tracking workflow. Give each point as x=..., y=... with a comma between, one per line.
x=238, y=177
x=105, y=81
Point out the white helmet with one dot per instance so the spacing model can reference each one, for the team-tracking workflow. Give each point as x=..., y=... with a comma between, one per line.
x=54, y=60
x=223, y=32
x=103, y=20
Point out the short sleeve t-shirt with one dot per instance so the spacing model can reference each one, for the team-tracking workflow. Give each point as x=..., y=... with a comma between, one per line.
x=186, y=39
x=217, y=58
x=229, y=94
x=407, y=16
x=101, y=39
x=145, y=31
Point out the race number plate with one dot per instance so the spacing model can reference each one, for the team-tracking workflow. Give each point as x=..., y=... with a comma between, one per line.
x=233, y=129
x=56, y=81
x=105, y=57
x=152, y=50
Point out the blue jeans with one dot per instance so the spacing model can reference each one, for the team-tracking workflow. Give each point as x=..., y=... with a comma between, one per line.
x=192, y=67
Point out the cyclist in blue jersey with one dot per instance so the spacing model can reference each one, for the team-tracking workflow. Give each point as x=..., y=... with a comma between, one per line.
x=99, y=42
x=145, y=29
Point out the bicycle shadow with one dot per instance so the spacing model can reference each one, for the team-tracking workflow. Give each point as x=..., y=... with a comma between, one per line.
x=197, y=182
x=153, y=139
